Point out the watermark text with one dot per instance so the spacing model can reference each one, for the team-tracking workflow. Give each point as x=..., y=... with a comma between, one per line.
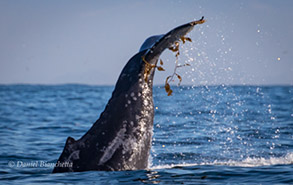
x=39, y=164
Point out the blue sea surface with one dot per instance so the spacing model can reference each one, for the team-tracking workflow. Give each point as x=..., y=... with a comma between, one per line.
x=202, y=134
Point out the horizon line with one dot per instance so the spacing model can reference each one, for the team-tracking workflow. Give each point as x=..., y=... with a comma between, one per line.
x=155, y=85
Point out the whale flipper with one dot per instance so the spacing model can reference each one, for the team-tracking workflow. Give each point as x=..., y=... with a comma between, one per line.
x=121, y=138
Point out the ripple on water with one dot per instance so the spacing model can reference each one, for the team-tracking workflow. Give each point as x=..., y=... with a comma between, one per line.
x=206, y=135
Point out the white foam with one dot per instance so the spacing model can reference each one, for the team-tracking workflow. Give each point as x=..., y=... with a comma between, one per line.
x=248, y=162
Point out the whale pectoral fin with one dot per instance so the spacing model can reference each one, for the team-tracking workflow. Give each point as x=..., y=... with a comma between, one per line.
x=169, y=39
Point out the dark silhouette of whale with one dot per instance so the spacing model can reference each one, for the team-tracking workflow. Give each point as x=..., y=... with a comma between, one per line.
x=121, y=138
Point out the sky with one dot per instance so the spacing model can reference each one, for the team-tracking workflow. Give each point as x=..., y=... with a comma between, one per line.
x=246, y=42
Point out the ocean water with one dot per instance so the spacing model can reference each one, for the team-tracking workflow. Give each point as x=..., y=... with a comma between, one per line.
x=202, y=134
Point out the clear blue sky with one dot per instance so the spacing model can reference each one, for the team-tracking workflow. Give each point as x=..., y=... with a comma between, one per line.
x=89, y=42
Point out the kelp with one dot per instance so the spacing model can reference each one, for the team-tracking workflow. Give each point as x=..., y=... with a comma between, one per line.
x=174, y=48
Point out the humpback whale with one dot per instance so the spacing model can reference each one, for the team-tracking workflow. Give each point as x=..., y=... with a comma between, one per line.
x=121, y=138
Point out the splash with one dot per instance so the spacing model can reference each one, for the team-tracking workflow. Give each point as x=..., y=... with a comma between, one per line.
x=248, y=162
